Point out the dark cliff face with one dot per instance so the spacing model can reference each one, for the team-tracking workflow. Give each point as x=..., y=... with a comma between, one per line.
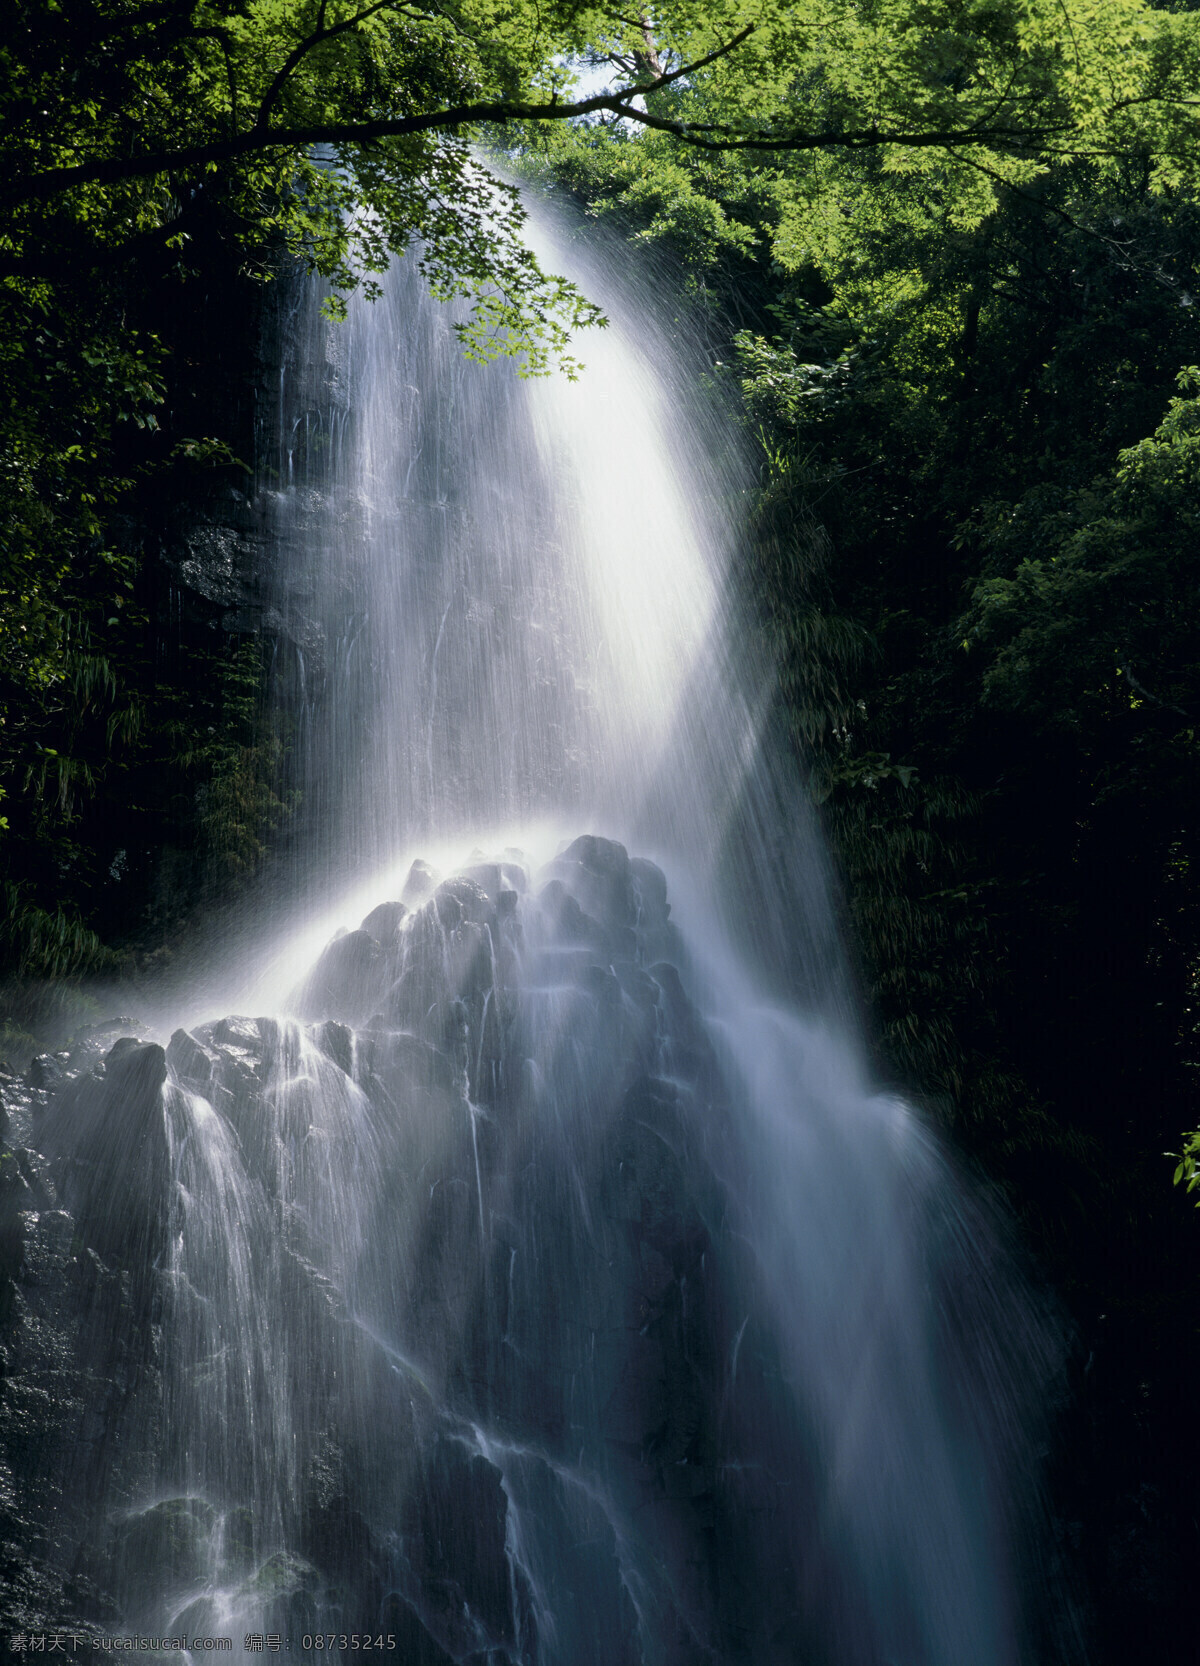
x=437, y=1314
x=473, y=1387
x=78, y=1337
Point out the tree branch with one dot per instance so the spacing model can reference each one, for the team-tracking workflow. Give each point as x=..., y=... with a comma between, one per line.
x=258, y=139
x=261, y=138
x=1126, y=671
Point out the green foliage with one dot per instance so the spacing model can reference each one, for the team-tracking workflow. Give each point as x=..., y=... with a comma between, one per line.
x=1187, y=1170
x=345, y=128
x=124, y=121
x=46, y=945
x=237, y=761
x=1096, y=632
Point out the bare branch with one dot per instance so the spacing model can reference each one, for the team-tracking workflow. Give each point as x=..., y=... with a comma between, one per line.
x=1126, y=671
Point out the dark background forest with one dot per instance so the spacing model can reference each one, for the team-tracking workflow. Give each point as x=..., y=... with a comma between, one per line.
x=973, y=547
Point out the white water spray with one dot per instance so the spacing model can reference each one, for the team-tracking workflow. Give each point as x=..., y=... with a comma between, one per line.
x=561, y=1293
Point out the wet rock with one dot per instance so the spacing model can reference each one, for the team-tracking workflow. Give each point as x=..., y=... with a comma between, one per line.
x=560, y=965
x=285, y=1588
x=597, y=873
x=336, y=1041
x=460, y=899
x=383, y=922
x=91, y=1043
x=420, y=884
x=455, y=1536
x=39, y=1172
x=469, y=961
x=689, y=1052
x=567, y=920
x=237, y=1540
x=653, y=1164
x=496, y=877
x=410, y=1264
x=199, y=1618
x=638, y=986
x=650, y=893
x=422, y=984
x=194, y=1065
x=109, y=1133
x=414, y=1644
x=163, y=1548
x=345, y=982
x=16, y=1199
x=234, y=1033
x=235, y=1046
x=487, y=876
x=601, y=984
x=404, y=1060
x=456, y=1036
x=337, y=1538
x=45, y=1071
x=123, y=1047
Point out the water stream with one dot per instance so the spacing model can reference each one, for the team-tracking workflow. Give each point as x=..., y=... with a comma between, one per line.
x=545, y=1280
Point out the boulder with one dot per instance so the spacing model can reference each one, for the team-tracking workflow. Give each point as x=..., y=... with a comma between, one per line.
x=383, y=922
x=167, y=1547
x=285, y=1589
x=109, y=1133
x=345, y=982
x=45, y=1070
x=460, y=899
x=597, y=873
x=420, y=884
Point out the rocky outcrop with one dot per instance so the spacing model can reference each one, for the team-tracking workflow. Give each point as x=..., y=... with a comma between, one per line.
x=430, y=1314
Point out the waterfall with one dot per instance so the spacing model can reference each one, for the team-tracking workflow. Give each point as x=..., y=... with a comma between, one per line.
x=545, y=1281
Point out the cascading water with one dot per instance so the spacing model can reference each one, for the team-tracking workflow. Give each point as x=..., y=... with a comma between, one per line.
x=545, y=1287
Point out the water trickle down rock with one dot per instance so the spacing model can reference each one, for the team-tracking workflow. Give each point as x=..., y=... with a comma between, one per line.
x=456, y=1327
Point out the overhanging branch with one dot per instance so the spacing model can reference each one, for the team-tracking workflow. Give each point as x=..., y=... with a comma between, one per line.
x=261, y=139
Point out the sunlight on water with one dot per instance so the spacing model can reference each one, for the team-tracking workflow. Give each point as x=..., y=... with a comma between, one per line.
x=653, y=595
x=552, y=1282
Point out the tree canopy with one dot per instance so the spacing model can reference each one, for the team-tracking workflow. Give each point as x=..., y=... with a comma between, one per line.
x=346, y=128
